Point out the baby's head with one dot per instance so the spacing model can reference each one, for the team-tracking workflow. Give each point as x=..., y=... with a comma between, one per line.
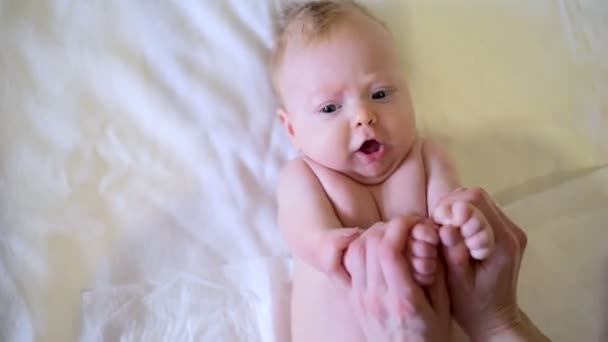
x=341, y=92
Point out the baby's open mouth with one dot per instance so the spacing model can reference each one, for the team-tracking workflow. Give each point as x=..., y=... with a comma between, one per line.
x=370, y=146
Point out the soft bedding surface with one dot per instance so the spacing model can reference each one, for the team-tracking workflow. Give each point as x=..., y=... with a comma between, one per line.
x=139, y=153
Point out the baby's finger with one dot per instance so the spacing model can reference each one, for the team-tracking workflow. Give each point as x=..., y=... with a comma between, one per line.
x=397, y=231
x=483, y=239
x=481, y=253
x=476, y=222
x=442, y=214
x=422, y=249
x=461, y=212
x=424, y=279
x=450, y=236
x=425, y=232
x=424, y=266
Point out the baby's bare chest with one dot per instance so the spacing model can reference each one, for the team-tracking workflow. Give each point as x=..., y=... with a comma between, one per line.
x=357, y=205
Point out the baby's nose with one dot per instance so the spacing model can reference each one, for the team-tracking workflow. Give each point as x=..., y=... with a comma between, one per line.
x=365, y=118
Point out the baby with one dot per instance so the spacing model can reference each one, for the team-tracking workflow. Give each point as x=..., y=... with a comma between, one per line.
x=346, y=107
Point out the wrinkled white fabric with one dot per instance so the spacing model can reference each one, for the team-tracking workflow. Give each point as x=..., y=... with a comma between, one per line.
x=139, y=152
x=242, y=302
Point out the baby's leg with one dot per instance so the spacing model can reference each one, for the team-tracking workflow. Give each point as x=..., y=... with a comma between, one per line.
x=474, y=228
x=423, y=252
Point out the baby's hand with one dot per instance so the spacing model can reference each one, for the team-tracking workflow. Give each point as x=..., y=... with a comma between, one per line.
x=474, y=228
x=422, y=249
x=333, y=245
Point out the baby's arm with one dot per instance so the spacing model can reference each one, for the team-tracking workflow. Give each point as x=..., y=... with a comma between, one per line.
x=309, y=223
x=441, y=174
x=442, y=178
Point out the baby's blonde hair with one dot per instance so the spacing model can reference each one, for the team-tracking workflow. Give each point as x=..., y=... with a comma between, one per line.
x=310, y=21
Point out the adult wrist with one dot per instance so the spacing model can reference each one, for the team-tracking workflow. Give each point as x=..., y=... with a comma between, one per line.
x=519, y=328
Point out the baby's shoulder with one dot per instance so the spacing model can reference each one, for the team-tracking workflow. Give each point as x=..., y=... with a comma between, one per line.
x=427, y=151
x=306, y=175
x=297, y=173
x=295, y=168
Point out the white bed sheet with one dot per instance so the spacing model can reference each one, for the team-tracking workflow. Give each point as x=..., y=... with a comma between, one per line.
x=139, y=150
x=563, y=286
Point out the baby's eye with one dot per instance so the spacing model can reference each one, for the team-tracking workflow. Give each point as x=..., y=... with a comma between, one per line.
x=330, y=108
x=379, y=95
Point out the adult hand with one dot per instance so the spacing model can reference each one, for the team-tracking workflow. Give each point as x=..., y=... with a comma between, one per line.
x=388, y=302
x=484, y=293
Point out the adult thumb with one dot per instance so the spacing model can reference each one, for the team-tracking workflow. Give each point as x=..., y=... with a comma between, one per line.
x=458, y=267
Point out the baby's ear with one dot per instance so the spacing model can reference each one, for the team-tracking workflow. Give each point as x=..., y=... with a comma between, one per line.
x=286, y=122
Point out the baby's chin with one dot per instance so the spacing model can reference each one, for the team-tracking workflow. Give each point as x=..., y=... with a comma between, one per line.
x=368, y=174
x=357, y=167
x=370, y=177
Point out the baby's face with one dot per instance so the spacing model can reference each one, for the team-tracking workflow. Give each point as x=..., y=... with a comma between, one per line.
x=345, y=103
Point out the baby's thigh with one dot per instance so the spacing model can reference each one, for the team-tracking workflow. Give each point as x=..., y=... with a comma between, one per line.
x=320, y=310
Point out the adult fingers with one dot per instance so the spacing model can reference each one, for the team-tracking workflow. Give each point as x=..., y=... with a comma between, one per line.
x=456, y=255
x=375, y=282
x=335, y=242
x=438, y=294
x=519, y=234
x=354, y=262
x=397, y=231
x=397, y=273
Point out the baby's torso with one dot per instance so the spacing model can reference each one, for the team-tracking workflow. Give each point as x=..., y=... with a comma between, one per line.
x=358, y=205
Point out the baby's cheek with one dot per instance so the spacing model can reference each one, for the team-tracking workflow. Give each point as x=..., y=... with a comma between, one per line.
x=337, y=156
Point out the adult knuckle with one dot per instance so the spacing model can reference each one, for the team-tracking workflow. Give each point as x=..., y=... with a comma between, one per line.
x=376, y=228
x=387, y=251
x=373, y=304
x=477, y=194
x=359, y=250
x=374, y=237
x=353, y=254
x=512, y=247
x=400, y=222
x=407, y=306
x=523, y=239
x=334, y=266
x=357, y=301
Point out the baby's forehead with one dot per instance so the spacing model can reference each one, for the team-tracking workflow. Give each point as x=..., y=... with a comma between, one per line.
x=310, y=30
x=349, y=31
